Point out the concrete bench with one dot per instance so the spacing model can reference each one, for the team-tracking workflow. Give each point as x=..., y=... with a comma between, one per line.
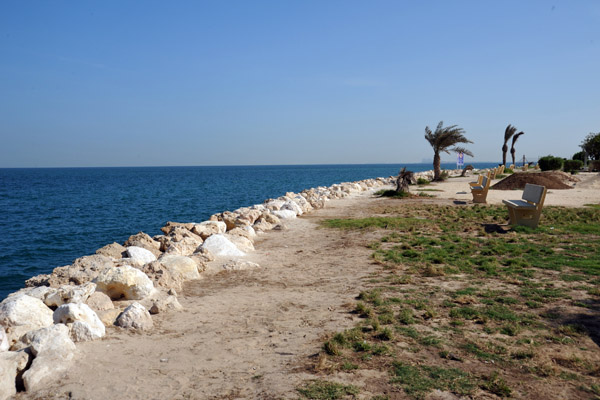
x=479, y=192
x=528, y=210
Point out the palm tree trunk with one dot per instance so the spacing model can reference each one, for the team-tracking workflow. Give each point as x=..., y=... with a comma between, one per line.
x=437, y=166
x=512, y=153
x=504, y=150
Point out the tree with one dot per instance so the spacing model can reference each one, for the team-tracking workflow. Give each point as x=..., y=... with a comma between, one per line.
x=510, y=130
x=591, y=145
x=442, y=140
x=580, y=155
x=512, y=147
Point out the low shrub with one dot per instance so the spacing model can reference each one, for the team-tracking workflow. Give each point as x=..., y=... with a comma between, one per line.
x=422, y=181
x=572, y=165
x=550, y=163
x=594, y=165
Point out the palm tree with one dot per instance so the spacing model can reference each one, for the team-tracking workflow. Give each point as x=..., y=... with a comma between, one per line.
x=510, y=130
x=512, y=147
x=441, y=140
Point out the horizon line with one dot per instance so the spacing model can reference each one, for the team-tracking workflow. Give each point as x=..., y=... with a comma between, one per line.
x=241, y=165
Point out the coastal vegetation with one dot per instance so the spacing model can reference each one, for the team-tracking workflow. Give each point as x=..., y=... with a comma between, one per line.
x=591, y=145
x=442, y=140
x=512, y=147
x=508, y=133
x=465, y=305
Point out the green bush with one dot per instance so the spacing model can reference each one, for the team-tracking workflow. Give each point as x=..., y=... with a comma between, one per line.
x=579, y=155
x=550, y=163
x=572, y=165
x=422, y=181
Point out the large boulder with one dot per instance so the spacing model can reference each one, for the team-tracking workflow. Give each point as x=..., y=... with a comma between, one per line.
x=124, y=282
x=242, y=243
x=169, y=303
x=285, y=214
x=135, y=317
x=143, y=240
x=219, y=245
x=171, y=225
x=84, y=269
x=113, y=250
x=54, y=338
x=21, y=314
x=69, y=294
x=208, y=228
x=162, y=276
x=141, y=254
x=180, y=266
x=292, y=206
x=99, y=301
x=185, y=247
x=53, y=351
x=82, y=321
x=12, y=363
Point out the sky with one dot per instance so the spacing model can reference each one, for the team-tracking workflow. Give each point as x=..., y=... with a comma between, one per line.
x=149, y=83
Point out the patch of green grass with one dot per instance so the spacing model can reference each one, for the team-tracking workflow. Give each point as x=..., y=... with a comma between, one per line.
x=406, y=316
x=423, y=181
x=375, y=222
x=391, y=193
x=324, y=390
x=497, y=385
x=348, y=366
x=593, y=205
x=417, y=381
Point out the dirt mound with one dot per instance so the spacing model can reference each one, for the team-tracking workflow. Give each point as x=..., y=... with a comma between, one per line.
x=549, y=179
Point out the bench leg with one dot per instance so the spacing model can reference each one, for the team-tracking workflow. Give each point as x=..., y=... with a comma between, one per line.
x=524, y=217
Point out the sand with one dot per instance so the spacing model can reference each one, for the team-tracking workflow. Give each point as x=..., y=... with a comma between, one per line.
x=249, y=334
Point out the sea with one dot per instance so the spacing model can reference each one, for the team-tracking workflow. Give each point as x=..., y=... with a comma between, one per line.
x=51, y=216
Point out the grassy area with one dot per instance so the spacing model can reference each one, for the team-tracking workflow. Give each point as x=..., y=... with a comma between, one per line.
x=464, y=305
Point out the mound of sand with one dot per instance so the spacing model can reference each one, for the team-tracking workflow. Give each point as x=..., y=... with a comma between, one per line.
x=549, y=179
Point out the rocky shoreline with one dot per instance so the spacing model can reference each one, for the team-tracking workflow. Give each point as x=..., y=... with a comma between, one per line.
x=124, y=285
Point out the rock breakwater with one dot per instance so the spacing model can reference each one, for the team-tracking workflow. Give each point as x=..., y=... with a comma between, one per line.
x=123, y=285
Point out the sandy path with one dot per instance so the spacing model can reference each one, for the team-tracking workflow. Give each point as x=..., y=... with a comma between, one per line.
x=242, y=334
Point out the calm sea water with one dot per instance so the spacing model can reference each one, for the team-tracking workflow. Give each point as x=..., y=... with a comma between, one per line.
x=51, y=216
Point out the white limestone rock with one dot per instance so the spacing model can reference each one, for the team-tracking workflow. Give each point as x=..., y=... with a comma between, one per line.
x=219, y=245
x=285, y=214
x=124, y=282
x=170, y=303
x=39, y=292
x=83, y=322
x=140, y=254
x=54, y=338
x=242, y=243
x=184, y=247
x=113, y=250
x=292, y=206
x=54, y=351
x=135, y=317
x=11, y=364
x=180, y=266
x=99, y=301
x=21, y=314
x=208, y=228
x=274, y=205
x=69, y=294
x=4, y=346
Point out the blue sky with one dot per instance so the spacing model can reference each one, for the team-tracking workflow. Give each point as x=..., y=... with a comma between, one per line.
x=135, y=83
